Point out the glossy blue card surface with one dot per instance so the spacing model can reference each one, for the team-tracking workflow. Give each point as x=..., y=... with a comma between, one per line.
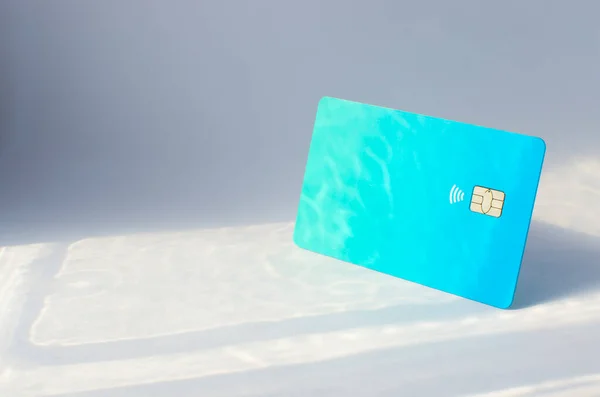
x=440, y=203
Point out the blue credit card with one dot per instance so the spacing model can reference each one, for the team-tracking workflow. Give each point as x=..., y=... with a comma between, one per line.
x=440, y=203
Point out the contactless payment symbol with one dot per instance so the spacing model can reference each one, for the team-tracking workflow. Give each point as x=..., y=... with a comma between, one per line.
x=456, y=195
x=487, y=201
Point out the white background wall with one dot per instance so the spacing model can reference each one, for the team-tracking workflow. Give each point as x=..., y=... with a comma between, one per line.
x=143, y=113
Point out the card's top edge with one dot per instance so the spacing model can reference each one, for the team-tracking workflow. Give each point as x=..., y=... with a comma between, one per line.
x=534, y=137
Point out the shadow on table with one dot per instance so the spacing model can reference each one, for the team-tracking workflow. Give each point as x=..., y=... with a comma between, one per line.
x=466, y=366
x=557, y=263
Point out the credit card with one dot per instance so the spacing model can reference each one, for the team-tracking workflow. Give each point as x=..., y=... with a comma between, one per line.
x=436, y=202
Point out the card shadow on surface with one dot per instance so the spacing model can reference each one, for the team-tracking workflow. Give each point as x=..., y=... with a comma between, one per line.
x=557, y=263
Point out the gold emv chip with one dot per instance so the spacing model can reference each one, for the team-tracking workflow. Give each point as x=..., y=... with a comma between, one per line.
x=487, y=201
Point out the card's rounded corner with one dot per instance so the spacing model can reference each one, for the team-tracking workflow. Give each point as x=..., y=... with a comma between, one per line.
x=542, y=142
x=323, y=100
x=508, y=305
x=296, y=239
